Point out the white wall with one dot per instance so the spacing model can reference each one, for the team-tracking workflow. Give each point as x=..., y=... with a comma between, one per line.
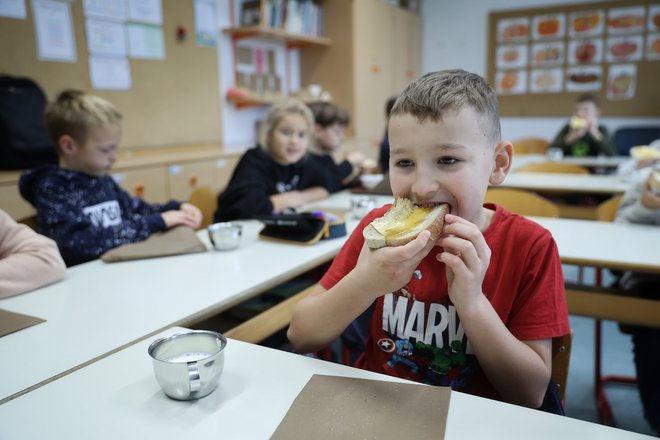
x=455, y=35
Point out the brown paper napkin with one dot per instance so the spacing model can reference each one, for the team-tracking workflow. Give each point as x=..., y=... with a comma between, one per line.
x=331, y=407
x=11, y=322
x=175, y=241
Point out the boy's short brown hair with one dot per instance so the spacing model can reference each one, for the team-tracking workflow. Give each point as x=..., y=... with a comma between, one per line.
x=432, y=95
x=327, y=114
x=276, y=112
x=76, y=113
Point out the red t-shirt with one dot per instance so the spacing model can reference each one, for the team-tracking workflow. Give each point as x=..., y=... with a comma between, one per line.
x=416, y=333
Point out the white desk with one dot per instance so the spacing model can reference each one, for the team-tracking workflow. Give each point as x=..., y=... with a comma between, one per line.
x=118, y=397
x=571, y=183
x=520, y=160
x=101, y=307
x=604, y=244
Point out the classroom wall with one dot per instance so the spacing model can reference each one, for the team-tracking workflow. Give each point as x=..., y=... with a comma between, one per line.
x=454, y=35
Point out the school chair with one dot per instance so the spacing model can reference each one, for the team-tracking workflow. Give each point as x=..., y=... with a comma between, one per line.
x=205, y=200
x=530, y=145
x=561, y=357
x=30, y=221
x=522, y=202
x=553, y=167
x=627, y=137
x=606, y=212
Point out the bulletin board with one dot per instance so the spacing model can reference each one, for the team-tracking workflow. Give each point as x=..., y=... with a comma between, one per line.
x=540, y=60
x=172, y=101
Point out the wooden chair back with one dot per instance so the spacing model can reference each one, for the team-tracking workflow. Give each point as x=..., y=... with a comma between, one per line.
x=30, y=221
x=530, y=145
x=553, y=167
x=205, y=200
x=522, y=202
x=561, y=356
x=606, y=211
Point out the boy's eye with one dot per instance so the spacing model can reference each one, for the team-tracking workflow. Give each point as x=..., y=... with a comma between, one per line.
x=404, y=163
x=447, y=160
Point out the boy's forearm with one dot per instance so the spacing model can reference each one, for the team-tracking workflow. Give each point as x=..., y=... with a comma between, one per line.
x=322, y=316
x=517, y=370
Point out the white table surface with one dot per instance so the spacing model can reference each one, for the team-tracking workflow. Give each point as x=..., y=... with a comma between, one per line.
x=520, y=160
x=574, y=183
x=118, y=397
x=605, y=244
x=101, y=307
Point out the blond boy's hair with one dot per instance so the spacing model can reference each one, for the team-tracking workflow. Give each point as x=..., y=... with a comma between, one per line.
x=276, y=112
x=432, y=95
x=77, y=114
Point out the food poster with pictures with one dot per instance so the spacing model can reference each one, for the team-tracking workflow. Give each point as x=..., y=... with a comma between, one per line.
x=610, y=49
x=622, y=81
x=546, y=80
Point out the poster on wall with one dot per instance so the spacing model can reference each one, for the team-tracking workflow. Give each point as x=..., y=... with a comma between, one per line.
x=587, y=51
x=545, y=80
x=511, y=56
x=621, y=81
x=625, y=20
x=653, y=47
x=511, y=82
x=513, y=30
x=586, y=23
x=550, y=26
x=584, y=79
x=547, y=54
x=654, y=18
x=624, y=48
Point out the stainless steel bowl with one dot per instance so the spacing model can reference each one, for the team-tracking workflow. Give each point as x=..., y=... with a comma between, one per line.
x=225, y=236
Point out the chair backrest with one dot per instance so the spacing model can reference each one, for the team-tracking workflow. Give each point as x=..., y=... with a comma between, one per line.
x=553, y=167
x=530, y=145
x=561, y=356
x=30, y=221
x=627, y=137
x=522, y=202
x=606, y=211
x=205, y=200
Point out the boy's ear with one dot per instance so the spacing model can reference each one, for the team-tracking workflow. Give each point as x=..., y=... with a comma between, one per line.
x=66, y=144
x=503, y=155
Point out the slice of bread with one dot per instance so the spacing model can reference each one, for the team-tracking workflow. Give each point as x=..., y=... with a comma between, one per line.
x=403, y=222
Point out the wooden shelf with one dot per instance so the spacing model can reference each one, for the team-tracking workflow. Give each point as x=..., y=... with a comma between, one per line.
x=292, y=40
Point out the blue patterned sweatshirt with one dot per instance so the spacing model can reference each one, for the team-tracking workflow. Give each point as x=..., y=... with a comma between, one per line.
x=87, y=215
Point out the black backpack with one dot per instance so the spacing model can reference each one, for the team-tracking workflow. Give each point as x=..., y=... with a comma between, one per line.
x=24, y=142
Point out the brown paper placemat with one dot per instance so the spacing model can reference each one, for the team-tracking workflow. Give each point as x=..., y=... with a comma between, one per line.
x=11, y=322
x=331, y=407
x=176, y=241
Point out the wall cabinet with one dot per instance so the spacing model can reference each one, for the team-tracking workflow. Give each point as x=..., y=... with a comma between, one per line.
x=375, y=53
x=147, y=183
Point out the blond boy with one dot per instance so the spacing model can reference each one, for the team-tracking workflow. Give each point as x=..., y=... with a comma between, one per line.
x=78, y=204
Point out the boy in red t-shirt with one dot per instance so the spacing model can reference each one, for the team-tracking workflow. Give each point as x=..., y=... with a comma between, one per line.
x=477, y=309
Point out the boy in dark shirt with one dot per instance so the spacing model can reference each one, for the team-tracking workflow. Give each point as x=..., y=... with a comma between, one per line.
x=78, y=204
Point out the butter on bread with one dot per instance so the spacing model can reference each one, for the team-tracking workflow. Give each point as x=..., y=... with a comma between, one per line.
x=577, y=122
x=403, y=222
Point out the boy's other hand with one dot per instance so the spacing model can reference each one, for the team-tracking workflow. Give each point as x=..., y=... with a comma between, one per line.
x=649, y=198
x=179, y=217
x=466, y=256
x=193, y=211
x=390, y=268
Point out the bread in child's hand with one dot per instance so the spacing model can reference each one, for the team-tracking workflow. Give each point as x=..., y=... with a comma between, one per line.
x=403, y=222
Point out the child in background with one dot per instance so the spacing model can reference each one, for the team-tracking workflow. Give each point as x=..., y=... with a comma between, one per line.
x=583, y=136
x=477, y=309
x=384, y=152
x=78, y=204
x=331, y=122
x=641, y=204
x=27, y=260
x=278, y=174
